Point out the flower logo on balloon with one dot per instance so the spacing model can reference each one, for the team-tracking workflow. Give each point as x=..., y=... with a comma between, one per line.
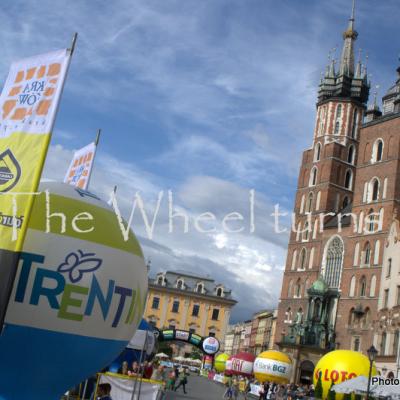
x=79, y=263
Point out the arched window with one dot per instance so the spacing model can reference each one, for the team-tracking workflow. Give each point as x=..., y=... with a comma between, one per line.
x=322, y=121
x=350, y=155
x=220, y=292
x=351, y=317
x=160, y=280
x=363, y=287
x=348, y=180
x=317, y=152
x=371, y=221
x=338, y=111
x=367, y=254
x=288, y=315
x=310, y=199
x=345, y=202
x=332, y=266
x=306, y=232
x=374, y=189
x=303, y=258
x=366, y=318
x=180, y=284
x=385, y=181
x=352, y=286
x=199, y=288
x=313, y=176
x=355, y=124
x=377, y=151
x=297, y=289
x=337, y=127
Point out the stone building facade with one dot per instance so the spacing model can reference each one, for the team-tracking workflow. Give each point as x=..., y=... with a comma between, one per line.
x=346, y=197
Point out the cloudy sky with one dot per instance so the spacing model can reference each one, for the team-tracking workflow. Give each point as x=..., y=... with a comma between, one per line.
x=206, y=99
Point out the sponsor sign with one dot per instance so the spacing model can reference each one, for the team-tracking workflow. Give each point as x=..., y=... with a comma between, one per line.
x=210, y=345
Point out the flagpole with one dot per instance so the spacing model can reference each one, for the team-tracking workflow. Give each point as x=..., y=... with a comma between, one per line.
x=13, y=257
x=96, y=142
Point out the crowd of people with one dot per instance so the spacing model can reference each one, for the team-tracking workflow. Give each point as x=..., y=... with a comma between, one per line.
x=267, y=390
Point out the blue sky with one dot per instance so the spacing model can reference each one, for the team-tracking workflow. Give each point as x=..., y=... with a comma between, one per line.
x=208, y=99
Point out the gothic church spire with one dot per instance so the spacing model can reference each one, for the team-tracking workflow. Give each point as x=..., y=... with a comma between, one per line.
x=349, y=36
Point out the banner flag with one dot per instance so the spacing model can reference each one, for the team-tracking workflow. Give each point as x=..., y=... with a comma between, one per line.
x=28, y=107
x=79, y=170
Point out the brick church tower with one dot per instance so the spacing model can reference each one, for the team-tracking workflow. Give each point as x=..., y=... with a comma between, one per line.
x=346, y=197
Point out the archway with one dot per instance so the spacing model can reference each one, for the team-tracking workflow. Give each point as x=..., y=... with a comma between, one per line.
x=306, y=372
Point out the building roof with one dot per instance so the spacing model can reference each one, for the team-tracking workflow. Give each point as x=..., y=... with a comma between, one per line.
x=191, y=281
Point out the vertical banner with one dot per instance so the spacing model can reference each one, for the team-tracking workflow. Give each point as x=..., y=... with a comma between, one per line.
x=28, y=107
x=79, y=170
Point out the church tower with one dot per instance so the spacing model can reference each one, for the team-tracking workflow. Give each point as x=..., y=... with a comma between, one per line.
x=311, y=289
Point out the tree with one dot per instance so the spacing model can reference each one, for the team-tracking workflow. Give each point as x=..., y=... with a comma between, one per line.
x=318, y=388
x=331, y=393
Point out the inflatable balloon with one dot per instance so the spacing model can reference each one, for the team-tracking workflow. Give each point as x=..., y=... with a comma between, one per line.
x=242, y=364
x=78, y=296
x=220, y=362
x=273, y=366
x=340, y=365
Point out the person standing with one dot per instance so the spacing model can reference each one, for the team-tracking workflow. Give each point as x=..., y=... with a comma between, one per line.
x=104, y=391
x=182, y=380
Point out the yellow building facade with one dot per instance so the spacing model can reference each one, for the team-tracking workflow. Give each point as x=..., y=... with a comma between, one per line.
x=184, y=301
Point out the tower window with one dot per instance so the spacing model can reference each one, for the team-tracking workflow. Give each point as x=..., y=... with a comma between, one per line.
x=313, y=177
x=363, y=287
x=367, y=254
x=389, y=268
x=317, y=152
x=339, y=111
x=175, y=306
x=303, y=258
x=348, y=181
x=309, y=202
x=345, y=202
x=375, y=190
x=350, y=155
x=333, y=262
x=337, y=127
x=355, y=124
x=377, y=151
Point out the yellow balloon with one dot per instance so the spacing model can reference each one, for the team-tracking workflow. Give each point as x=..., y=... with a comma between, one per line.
x=273, y=366
x=220, y=362
x=338, y=366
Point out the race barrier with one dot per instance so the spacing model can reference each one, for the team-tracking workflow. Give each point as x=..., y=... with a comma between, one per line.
x=123, y=386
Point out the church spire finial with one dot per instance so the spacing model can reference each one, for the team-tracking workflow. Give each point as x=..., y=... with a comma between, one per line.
x=349, y=36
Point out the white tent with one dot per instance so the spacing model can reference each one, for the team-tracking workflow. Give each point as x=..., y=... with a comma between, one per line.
x=358, y=384
x=161, y=355
x=143, y=340
x=391, y=391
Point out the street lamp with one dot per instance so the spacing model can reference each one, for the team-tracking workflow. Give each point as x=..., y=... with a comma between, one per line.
x=372, y=352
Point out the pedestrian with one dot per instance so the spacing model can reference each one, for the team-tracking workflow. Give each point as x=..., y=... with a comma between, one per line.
x=171, y=380
x=247, y=388
x=158, y=374
x=182, y=380
x=123, y=369
x=104, y=391
x=147, y=370
x=135, y=369
x=228, y=391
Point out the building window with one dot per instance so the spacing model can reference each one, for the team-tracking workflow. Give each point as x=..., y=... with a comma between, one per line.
x=313, y=177
x=337, y=127
x=377, y=151
x=309, y=202
x=215, y=314
x=297, y=289
x=395, y=343
x=156, y=303
x=398, y=296
x=355, y=123
x=212, y=334
x=350, y=155
x=356, y=343
x=389, y=268
x=288, y=316
x=220, y=292
x=195, y=311
x=175, y=306
x=192, y=330
x=367, y=254
x=160, y=280
x=171, y=326
x=385, y=298
x=345, y=202
x=303, y=258
x=200, y=288
x=306, y=232
x=332, y=270
x=179, y=284
x=317, y=152
x=363, y=287
x=383, y=344
x=348, y=181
